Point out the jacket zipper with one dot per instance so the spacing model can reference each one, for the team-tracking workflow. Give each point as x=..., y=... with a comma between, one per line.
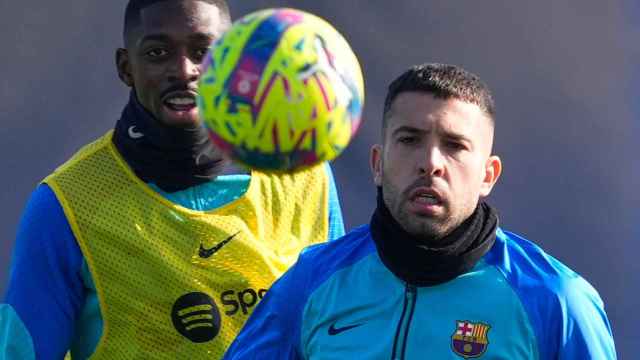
x=402, y=331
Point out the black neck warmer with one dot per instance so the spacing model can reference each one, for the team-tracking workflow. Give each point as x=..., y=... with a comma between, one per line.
x=172, y=158
x=410, y=259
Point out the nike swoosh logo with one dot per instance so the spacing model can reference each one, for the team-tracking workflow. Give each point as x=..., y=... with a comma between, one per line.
x=134, y=134
x=333, y=330
x=207, y=253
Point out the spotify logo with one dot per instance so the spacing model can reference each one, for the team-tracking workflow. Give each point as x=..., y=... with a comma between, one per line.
x=196, y=317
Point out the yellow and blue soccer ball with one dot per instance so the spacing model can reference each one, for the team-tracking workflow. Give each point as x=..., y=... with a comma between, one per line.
x=281, y=90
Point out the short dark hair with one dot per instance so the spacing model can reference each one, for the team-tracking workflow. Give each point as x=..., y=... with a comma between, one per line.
x=444, y=82
x=132, y=12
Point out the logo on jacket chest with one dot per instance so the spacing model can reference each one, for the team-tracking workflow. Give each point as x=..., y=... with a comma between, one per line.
x=196, y=317
x=206, y=253
x=470, y=340
x=199, y=318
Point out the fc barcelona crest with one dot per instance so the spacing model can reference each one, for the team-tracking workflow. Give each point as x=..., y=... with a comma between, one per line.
x=470, y=339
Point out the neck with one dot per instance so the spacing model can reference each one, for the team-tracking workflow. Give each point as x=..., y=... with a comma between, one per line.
x=425, y=260
x=173, y=158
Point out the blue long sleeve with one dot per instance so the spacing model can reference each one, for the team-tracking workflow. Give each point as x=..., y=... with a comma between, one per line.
x=45, y=287
x=566, y=312
x=586, y=332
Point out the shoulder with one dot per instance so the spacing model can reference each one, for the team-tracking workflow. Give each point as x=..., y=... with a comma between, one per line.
x=44, y=233
x=565, y=311
x=87, y=151
x=341, y=252
x=43, y=210
x=529, y=266
x=318, y=262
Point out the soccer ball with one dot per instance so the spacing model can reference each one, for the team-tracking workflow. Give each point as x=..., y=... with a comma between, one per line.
x=281, y=90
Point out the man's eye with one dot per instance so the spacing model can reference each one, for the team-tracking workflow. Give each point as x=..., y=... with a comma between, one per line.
x=408, y=140
x=200, y=54
x=455, y=145
x=154, y=53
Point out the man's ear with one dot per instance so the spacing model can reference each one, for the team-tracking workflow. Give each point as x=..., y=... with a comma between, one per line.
x=375, y=161
x=492, y=171
x=123, y=65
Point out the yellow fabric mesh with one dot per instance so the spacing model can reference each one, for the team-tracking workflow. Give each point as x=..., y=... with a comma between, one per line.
x=143, y=252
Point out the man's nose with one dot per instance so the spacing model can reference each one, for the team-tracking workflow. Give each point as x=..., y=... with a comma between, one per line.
x=433, y=162
x=185, y=69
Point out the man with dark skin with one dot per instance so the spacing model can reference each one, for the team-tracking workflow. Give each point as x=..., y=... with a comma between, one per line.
x=163, y=55
x=138, y=247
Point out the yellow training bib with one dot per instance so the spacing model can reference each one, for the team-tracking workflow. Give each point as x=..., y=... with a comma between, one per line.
x=175, y=283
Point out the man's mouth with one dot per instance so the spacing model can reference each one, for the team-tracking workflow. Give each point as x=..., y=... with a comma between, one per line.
x=426, y=195
x=425, y=200
x=180, y=101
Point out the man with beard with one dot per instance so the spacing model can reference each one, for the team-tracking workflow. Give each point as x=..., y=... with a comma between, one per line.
x=136, y=247
x=432, y=275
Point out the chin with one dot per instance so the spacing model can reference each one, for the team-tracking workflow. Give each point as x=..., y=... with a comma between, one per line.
x=181, y=119
x=181, y=122
x=425, y=229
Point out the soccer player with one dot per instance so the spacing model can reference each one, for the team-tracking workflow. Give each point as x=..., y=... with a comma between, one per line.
x=136, y=248
x=432, y=276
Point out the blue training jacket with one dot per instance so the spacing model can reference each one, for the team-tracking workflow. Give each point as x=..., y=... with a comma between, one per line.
x=339, y=301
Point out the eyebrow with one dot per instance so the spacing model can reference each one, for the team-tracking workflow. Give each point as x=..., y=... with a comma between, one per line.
x=458, y=137
x=204, y=37
x=407, y=129
x=154, y=37
x=413, y=130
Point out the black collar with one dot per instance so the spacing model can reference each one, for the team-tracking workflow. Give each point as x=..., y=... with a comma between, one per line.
x=412, y=260
x=172, y=158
